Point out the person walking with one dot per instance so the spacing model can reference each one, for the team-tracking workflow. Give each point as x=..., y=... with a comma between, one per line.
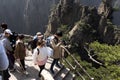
x=6, y=38
x=20, y=53
x=4, y=63
x=8, y=50
x=57, y=50
x=40, y=56
x=3, y=58
x=33, y=43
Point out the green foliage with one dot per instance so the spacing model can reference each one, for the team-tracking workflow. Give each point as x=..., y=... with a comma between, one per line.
x=86, y=28
x=106, y=53
x=90, y=34
x=110, y=55
x=64, y=29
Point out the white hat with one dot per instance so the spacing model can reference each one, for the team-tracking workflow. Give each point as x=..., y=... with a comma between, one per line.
x=8, y=31
x=38, y=33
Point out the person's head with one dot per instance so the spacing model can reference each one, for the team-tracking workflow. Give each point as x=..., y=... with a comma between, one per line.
x=59, y=33
x=41, y=43
x=21, y=36
x=40, y=37
x=7, y=32
x=38, y=33
x=4, y=26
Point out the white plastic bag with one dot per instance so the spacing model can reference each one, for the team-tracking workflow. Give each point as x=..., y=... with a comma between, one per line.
x=50, y=51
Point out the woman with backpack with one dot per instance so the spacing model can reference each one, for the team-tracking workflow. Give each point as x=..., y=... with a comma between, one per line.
x=40, y=56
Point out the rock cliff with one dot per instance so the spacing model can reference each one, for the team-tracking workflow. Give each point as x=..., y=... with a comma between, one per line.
x=84, y=23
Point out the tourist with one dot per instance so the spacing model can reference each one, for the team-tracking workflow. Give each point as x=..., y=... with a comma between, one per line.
x=20, y=53
x=8, y=50
x=40, y=56
x=57, y=50
x=3, y=58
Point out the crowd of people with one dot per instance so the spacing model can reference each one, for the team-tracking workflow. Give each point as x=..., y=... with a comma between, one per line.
x=40, y=52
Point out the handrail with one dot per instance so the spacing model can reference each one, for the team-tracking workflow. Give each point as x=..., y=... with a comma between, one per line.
x=77, y=63
x=27, y=35
x=74, y=68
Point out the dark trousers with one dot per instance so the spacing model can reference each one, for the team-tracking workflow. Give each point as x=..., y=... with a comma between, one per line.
x=41, y=68
x=55, y=61
x=5, y=74
x=11, y=60
x=23, y=63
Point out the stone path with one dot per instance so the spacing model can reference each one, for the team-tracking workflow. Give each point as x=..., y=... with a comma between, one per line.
x=32, y=70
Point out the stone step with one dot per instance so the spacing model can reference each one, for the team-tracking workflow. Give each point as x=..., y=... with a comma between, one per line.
x=61, y=74
x=69, y=76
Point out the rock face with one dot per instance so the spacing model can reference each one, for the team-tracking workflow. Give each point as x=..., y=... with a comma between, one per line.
x=29, y=16
x=66, y=13
x=93, y=20
x=26, y=16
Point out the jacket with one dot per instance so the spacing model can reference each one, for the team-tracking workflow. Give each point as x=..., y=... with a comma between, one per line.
x=57, y=49
x=3, y=58
x=20, y=51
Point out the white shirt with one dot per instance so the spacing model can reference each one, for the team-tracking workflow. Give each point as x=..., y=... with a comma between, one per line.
x=41, y=57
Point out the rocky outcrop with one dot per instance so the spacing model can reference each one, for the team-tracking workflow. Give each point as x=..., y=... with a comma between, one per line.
x=86, y=30
x=105, y=28
x=66, y=13
x=85, y=23
x=105, y=8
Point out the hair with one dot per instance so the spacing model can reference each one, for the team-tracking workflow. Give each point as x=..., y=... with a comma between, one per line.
x=4, y=25
x=40, y=42
x=59, y=33
x=21, y=36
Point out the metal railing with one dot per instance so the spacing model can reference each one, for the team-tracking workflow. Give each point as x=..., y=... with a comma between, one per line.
x=77, y=64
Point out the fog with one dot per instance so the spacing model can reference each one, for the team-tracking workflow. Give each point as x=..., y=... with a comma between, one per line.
x=26, y=16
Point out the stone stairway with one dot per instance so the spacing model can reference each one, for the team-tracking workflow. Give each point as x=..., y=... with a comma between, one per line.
x=60, y=73
x=64, y=74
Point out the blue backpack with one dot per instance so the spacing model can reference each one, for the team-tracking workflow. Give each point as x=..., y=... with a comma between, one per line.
x=48, y=41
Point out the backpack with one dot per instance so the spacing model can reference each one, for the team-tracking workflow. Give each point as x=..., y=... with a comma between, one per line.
x=48, y=41
x=38, y=51
x=13, y=39
x=34, y=43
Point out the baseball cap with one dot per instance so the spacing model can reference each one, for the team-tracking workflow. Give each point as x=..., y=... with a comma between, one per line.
x=8, y=31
